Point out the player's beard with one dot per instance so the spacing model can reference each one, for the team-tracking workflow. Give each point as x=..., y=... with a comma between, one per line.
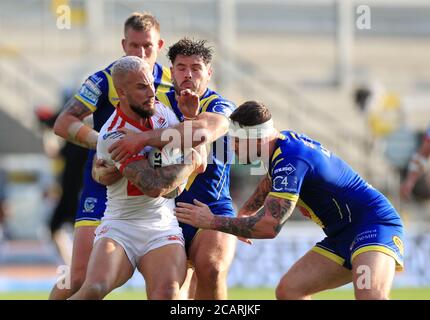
x=145, y=114
x=178, y=88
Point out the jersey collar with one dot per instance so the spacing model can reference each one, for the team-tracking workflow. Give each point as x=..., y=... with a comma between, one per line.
x=140, y=125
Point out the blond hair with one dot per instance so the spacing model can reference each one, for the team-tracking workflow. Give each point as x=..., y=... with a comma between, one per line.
x=126, y=65
x=141, y=21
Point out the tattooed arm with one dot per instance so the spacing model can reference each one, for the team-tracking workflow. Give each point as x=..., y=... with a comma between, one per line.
x=207, y=128
x=69, y=125
x=156, y=182
x=262, y=225
x=256, y=201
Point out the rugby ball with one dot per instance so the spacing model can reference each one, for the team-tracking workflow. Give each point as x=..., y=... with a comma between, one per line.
x=167, y=157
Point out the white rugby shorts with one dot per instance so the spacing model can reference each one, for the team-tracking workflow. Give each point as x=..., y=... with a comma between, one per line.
x=137, y=239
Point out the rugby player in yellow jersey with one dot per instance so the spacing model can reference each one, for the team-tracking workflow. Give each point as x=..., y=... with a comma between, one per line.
x=364, y=232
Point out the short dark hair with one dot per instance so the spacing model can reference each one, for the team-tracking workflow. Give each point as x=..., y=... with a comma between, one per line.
x=189, y=47
x=251, y=113
x=144, y=21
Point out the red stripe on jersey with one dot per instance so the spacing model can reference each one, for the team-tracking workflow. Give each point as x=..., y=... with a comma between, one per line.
x=122, y=124
x=115, y=120
x=136, y=124
x=132, y=190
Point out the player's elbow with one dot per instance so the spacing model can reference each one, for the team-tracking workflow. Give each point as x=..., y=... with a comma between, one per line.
x=276, y=228
x=269, y=229
x=60, y=126
x=265, y=234
x=270, y=234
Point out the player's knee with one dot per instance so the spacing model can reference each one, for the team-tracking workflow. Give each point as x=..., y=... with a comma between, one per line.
x=77, y=280
x=95, y=290
x=167, y=291
x=211, y=272
x=287, y=291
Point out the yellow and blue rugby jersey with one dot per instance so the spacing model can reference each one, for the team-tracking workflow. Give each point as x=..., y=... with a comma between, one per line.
x=212, y=186
x=326, y=188
x=99, y=95
x=162, y=78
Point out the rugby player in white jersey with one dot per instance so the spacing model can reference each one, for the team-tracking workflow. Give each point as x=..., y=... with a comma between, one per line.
x=139, y=229
x=97, y=96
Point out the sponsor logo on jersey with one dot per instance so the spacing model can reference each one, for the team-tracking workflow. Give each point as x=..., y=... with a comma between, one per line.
x=223, y=107
x=162, y=122
x=288, y=169
x=285, y=183
x=96, y=79
x=90, y=92
x=90, y=204
x=113, y=135
x=279, y=183
x=363, y=236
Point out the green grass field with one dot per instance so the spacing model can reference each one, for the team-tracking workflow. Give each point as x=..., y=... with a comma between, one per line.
x=240, y=294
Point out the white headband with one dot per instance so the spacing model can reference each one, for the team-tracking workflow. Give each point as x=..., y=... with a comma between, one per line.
x=262, y=130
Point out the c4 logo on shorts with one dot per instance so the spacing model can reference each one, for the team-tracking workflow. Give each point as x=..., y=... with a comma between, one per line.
x=399, y=244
